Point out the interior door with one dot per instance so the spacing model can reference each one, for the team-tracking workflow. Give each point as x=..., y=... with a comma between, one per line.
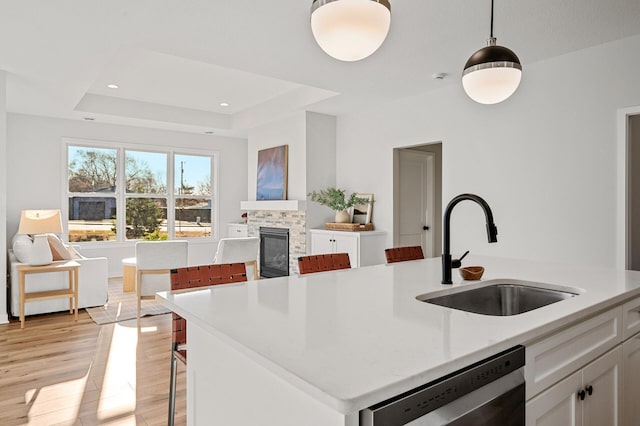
x=417, y=200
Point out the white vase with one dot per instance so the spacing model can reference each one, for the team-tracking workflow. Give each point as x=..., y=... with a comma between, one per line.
x=342, y=217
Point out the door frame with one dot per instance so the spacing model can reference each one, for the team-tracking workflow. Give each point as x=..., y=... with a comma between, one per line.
x=436, y=148
x=622, y=196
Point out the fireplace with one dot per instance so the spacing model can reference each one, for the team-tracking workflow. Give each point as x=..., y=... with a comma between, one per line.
x=274, y=252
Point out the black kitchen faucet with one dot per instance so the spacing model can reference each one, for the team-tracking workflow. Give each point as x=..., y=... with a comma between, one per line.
x=492, y=233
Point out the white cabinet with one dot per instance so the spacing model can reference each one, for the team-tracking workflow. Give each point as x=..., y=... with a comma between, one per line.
x=364, y=248
x=631, y=363
x=237, y=230
x=588, y=397
x=574, y=377
x=555, y=357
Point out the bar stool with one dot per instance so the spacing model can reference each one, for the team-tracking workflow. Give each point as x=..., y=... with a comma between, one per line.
x=402, y=254
x=190, y=278
x=323, y=262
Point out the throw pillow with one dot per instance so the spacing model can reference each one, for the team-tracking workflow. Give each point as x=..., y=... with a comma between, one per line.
x=58, y=249
x=22, y=248
x=74, y=253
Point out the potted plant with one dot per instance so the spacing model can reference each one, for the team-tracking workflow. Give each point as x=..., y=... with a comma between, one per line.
x=337, y=201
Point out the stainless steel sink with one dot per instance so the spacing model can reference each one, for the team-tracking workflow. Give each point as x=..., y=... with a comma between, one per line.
x=500, y=299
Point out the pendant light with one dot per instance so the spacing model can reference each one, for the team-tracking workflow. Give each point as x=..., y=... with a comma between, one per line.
x=493, y=73
x=350, y=30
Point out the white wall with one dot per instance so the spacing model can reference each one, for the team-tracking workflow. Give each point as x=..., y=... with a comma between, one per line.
x=545, y=159
x=35, y=169
x=3, y=189
x=320, y=166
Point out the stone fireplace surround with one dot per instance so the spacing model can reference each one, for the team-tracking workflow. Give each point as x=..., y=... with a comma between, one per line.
x=294, y=220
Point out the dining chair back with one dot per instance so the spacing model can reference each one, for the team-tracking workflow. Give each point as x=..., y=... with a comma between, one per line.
x=402, y=254
x=323, y=262
x=189, y=278
x=153, y=261
x=235, y=250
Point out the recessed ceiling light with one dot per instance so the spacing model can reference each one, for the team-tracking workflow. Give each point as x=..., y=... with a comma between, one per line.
x=224, y=104
x=112, y=86
x=438, y=76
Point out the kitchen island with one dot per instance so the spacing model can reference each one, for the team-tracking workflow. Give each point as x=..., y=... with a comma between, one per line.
x=317, y=349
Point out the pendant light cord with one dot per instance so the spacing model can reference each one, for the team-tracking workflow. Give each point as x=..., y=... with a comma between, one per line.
x=491, y=19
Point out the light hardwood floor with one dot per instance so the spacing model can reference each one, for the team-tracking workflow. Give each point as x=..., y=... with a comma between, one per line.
x=59, y=372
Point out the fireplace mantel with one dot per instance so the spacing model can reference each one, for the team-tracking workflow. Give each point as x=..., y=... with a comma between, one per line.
x=281, y=205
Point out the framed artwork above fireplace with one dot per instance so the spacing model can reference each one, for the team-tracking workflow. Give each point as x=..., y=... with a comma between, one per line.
x=272, y=173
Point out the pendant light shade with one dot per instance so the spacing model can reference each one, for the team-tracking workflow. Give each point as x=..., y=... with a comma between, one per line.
x=350, y=30
x=493, y=73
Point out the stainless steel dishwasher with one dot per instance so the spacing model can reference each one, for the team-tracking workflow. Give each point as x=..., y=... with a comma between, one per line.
x=489, y=392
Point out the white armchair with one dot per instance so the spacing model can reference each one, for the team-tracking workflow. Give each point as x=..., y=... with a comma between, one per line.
x=154, y=260
x=239, y=250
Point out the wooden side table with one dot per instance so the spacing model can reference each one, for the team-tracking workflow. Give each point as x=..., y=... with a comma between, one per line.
x=59, y=266
x=129, y=274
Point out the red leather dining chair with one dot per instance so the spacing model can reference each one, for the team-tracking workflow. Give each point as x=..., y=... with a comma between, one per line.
x=188, y=278
x=402, y=254
x=323, y=262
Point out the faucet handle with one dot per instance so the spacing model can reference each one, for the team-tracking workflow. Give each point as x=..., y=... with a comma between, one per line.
x=456, y=263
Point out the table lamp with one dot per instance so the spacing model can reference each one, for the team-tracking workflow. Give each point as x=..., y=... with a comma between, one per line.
x=37, y=223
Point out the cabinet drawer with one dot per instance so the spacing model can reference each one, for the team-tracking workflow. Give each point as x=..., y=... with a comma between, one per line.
x=630, y=318
x=557, y=356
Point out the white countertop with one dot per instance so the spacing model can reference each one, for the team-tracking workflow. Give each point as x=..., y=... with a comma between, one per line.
x=356, y=337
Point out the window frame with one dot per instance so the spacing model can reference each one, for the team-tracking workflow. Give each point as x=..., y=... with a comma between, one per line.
x=121, y=194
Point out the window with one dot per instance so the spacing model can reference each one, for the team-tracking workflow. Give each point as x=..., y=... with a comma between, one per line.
x=147, y=196
x=92, y=194
x=192, y=179
x=103, y=182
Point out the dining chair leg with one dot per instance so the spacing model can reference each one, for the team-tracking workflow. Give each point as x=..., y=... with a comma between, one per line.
x=138, y=293
x=172, y=389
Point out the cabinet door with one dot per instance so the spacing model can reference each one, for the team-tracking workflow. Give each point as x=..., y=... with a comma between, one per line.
x=631, y=381
x=603, y=375
x=348, y=244
x=322, y=243
x=557, y=406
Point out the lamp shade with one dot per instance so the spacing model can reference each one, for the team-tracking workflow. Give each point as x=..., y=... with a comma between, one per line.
x=35, y=222
x=491, y=74
x=350, y=30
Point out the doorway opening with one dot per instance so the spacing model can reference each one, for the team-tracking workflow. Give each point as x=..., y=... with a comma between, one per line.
x=629, y=188
x=417, y=197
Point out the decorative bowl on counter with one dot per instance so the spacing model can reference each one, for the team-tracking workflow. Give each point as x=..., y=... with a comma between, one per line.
x=471, y=273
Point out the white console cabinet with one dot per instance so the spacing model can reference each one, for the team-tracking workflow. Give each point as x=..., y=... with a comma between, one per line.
x=365, y=248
